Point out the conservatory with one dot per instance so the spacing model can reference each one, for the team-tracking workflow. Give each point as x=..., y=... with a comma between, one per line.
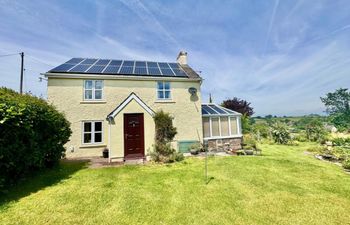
x=221, y=127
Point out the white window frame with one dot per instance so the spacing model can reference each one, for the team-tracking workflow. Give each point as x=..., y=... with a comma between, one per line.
x=92, y=132
x=239, y=134
x=164, y=90
x=93, y=90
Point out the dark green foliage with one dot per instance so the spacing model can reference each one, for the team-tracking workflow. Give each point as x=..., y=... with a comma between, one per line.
x=338, y=107
x=341, y=141
x=246, y=124
x=165, y=133
x=315, y=131
x=280, y=133
x=32, y=135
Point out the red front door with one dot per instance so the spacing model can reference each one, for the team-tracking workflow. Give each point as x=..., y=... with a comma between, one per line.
x=134, y=144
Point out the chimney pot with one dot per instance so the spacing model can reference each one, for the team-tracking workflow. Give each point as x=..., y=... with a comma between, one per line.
x=182, y=57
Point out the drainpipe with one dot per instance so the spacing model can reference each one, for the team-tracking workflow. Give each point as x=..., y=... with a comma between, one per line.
x=109, y=138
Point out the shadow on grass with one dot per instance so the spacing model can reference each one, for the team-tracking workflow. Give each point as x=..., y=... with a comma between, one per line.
x=41, y=180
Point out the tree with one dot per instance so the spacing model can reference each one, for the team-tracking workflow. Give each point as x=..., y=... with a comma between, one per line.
x=165, y=133
x=239, y=105
x=338, y=107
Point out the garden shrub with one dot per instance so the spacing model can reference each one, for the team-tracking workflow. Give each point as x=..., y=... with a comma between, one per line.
x=346, y=163
x=315, y=131
x=318, y=149
x=165, y=133
x=249, y=142
x=32, y=135
x=280, y=133
x=341, y=141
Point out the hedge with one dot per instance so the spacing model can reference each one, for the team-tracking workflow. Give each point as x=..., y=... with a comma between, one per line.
x=32, y=135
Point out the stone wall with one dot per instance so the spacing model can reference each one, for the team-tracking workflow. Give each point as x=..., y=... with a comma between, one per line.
x=225, y=144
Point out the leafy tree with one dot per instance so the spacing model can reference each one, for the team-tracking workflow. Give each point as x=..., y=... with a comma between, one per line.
x=280, y=133
x=315, y=130
x=338, y=107
x=239, y=105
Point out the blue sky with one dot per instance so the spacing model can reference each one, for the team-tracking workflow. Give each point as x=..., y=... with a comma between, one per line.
x=279, y=55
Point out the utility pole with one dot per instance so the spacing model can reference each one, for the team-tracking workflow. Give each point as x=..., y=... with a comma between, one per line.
x=22, y=69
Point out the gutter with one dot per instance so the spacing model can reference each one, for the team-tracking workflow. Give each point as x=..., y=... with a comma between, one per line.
x=115, y=77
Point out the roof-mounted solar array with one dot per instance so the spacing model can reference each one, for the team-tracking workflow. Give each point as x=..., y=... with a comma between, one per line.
x=212, y=109
x=120, y=67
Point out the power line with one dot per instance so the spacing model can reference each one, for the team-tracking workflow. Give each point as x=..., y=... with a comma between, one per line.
x=9, y=54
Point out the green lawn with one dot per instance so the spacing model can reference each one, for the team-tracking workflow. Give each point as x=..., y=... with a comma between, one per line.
x=284, y=186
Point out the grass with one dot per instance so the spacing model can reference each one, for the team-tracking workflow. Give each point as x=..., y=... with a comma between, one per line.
x=284, y=186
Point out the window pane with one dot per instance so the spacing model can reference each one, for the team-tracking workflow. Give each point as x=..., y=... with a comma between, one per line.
x=87, y=127
x=98, y=126
x=160, y=94
x=88, y=94
x=224, y=126
x=98, y=94
x=233, y=121
x=215, y=126
x=98, y=137
x=87, y=138
x=167, y=94
x=88, y=84
x=206, y=131
x=167, y=85
x=160, y=85
x=98, y=84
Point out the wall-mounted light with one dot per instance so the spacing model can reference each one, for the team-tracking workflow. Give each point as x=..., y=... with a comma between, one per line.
x=192, y=90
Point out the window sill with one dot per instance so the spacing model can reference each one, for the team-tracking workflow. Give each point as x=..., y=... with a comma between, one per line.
x=92, y=145
x=223, y=137
x=93, y=102
x=164, y=101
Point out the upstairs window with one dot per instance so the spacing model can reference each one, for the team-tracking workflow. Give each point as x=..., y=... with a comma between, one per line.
x=93, y=89
x=92, y=132
x=163, y=90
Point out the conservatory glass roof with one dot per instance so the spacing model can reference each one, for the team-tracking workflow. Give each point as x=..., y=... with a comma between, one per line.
x=211, y=109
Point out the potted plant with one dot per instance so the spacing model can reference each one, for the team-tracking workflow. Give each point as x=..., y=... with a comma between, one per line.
x=105, y=153
x=194, y=149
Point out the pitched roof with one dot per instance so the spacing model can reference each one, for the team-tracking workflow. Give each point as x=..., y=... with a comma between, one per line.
x=125, y=68
x=211, y=109
x=122, y=105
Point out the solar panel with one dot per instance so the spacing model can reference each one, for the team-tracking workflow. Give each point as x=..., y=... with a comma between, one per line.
x=141, y=70
x=129, y=67
x=140, y=64
x=164, y=65
x=75, y=60
x=167, y=72
x=111, y=69
x=80, y=68
x=102, y=62
x=179, y=73
x=89, y=61
x=62, y=68
x=154, y=71
x=128, y=63
x=152, y=64
x=126, y=70
x=174, y=65
x=115, y=63
x=96, y=69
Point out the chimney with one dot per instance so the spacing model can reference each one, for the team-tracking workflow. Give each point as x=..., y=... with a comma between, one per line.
x=182, y=57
